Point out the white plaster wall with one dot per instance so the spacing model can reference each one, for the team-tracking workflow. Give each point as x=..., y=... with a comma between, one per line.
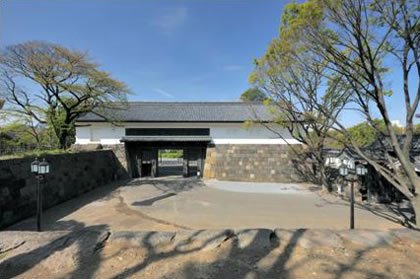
x=221, y=133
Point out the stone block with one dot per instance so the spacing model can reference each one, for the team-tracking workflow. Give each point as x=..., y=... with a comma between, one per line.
x=269, y=163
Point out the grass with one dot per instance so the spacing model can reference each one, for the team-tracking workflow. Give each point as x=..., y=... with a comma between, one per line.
x=34, y=153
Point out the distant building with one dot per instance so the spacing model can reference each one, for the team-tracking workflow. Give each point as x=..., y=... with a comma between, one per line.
x=378, y=187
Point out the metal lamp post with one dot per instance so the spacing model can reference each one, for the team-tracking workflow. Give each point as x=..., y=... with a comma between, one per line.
x=40, y=169
x=360, y=170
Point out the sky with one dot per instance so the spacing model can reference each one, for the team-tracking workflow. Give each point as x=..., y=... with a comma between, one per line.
x=163, y=50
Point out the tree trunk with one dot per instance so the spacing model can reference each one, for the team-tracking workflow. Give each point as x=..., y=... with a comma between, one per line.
x=63, y=139
x=323, y=178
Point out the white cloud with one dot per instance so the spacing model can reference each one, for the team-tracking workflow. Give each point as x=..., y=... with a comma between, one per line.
x=164, y=93
x=170, y=19
x=232, y=68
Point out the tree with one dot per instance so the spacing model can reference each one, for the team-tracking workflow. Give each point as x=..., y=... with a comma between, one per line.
x=417, y=129
x=16, y=133
x=363, y=134
x=356, y=39
x=70, y=85
x=253, y=95
x=295, y=93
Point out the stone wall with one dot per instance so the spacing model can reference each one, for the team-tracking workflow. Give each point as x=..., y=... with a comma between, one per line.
x=71, y=175
x=246, y=162
x=119, y=151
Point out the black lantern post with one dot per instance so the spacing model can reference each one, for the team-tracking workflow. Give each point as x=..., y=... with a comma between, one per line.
x=40, y=169
x=359, y=171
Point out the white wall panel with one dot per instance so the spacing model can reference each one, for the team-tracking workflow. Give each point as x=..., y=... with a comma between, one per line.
x=222, y=133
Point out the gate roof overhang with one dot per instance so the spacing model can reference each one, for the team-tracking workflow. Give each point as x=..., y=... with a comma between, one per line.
x=166, y=139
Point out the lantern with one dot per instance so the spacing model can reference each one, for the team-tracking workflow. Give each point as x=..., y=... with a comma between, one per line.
x=343, y=170
x=44, y=167
x=361, y=170
x=35, y=166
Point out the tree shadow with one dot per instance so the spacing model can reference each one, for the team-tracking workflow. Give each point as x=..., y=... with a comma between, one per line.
x=51, y=215
x=166, y=186
x=287, y=253
x=87, y=240
x=390, y=212
x=243, y=263
x=151, y=201
x=262, y=243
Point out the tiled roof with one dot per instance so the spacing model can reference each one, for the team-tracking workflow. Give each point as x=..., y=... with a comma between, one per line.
x=385, y=142
x=184, y=112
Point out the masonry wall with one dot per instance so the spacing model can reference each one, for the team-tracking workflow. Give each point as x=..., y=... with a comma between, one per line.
x=119, y=150
x=71, y=175
x=249, y=162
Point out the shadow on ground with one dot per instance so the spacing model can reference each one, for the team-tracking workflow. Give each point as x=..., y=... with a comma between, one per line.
x=68, y=207
x=75, y=244
x=168, y=186
x=245, y=254
x=402, y=214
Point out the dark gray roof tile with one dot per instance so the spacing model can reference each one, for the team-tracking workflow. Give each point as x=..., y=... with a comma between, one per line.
x=184, y=112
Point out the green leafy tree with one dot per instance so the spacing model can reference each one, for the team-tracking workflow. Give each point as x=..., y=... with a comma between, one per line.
x=294, y=92
x=253, y=95
x=355, y=38
x=417, y=129
x=363, y=134
x=16, y=133
x=70, y=85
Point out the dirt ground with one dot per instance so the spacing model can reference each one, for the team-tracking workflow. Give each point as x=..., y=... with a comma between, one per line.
x=246, y=254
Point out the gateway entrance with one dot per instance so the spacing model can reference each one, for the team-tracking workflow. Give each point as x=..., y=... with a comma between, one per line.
x=149, y=150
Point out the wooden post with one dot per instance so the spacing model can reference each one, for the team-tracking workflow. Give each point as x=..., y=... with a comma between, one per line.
x=352, y=206
x=154, y=163
x=185, y=165
x=156, y=152
x=200, y=161
x=138, y=164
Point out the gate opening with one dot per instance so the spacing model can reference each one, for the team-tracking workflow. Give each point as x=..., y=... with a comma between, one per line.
x=170, y=162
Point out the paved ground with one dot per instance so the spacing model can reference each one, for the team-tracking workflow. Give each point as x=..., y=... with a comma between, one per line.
x=174, y=204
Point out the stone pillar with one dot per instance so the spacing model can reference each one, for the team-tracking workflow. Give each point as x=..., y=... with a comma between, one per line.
x=209, y=163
